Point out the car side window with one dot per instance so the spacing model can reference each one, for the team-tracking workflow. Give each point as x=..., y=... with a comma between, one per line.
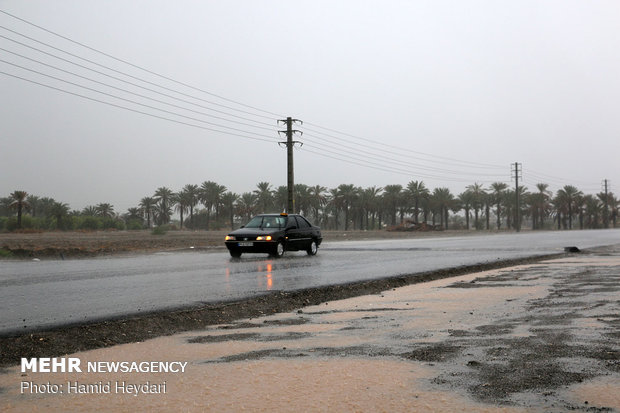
x=291, y=223
x=302, y=223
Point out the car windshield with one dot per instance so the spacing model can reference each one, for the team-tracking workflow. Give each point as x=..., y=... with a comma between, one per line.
x=267, y=222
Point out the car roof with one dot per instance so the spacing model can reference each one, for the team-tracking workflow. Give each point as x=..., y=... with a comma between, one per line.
x=277, y=215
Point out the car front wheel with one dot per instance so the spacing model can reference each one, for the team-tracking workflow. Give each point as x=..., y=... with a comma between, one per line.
x=313, y=248
x=278, y=251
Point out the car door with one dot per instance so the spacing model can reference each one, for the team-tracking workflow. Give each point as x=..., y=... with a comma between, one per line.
x=304, y=233
x=292, y=233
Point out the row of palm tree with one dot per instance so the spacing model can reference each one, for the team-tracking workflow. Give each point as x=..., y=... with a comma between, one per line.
x=211, y=206
x=348, y=206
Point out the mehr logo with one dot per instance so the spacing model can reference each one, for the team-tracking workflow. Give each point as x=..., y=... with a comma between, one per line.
x=51, y=365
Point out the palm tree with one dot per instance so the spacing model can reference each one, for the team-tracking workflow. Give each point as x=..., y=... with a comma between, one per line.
x=466, y=199
x=540, y=205
x=206, y=195
x=317, y=199
x=372, y=196
x=45, y=206
x=477, y=200
x=147, y=205
x=246, y=205
x=104, y=210
x=59, y=210
x=133, y=214
x=192, y=197
x=33, y=201
x=5, y=206
x=335, y=204
x=89, y=211
x=302, y=198
x=348, y=193
x=162, y=212
x=264, y=197
x=392, y=197
x=19, y=202
x=165, y=199
x=218, y=193
x=608, y=202
x=592, y=211
x=417, y=193
x=280, y=198
x=568, y=196
x=614, y=205
x=182, y=201
x=228, y=200
x=443, y=200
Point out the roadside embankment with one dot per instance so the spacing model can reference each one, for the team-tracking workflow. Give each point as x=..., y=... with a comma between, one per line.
x=60, y=245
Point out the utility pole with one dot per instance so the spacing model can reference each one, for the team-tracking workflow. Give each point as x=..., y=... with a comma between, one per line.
x=290, y=143
x=517, y=205
x=606, y=215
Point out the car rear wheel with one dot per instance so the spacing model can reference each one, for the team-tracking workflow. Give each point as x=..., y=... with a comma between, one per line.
x=313, y=248
x=235, y=254
x=278, y=251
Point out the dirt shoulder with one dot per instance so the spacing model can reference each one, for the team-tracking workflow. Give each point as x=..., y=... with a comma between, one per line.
x=60, y=245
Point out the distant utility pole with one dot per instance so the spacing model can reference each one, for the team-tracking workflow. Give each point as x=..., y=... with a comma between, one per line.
x=290, y=143
x=606, y=214
x=517, y=205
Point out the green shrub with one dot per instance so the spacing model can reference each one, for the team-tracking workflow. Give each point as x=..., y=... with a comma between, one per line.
x=5, y=253
x=134, y=224
x=90, y=223
x=11, y=224
x=160, y=230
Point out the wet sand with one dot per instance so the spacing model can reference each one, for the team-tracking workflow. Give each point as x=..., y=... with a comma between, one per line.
x=539, y=337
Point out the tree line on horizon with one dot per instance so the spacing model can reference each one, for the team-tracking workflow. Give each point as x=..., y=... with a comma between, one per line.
x=211, y=206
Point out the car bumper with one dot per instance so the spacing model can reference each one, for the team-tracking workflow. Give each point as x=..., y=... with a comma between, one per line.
x=257, y=246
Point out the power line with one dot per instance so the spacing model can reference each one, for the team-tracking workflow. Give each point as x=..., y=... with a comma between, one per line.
x=120, y=72
x=127, y=100
x=136, y=66
x=159, y=101
x=374, y=165
x=133, y=110
x=128, y=82
x=125, y=90
x=372, y=146
x=474, y=164
x=394, y=160
x=555, y=178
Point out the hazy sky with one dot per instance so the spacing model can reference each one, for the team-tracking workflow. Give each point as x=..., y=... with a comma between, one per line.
x=447, y=92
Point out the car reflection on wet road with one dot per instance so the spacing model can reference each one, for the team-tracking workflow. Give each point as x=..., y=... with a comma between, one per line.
x=35, y=295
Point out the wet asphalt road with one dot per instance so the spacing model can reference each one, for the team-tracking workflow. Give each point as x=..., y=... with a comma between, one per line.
x=36, y=295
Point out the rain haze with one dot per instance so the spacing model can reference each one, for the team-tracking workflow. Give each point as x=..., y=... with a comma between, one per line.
x=448, y=92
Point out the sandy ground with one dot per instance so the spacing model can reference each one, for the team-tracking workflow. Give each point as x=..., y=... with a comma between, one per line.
x=540, y=337
x=85, y=244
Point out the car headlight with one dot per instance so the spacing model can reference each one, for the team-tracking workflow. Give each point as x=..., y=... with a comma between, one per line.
x=263, y=238
x=230, y=238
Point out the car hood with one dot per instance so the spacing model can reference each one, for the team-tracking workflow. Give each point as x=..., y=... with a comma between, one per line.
x=254, y=231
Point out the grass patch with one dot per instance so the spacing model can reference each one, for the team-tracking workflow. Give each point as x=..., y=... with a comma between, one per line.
x=160, y=230
x=5, y=253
